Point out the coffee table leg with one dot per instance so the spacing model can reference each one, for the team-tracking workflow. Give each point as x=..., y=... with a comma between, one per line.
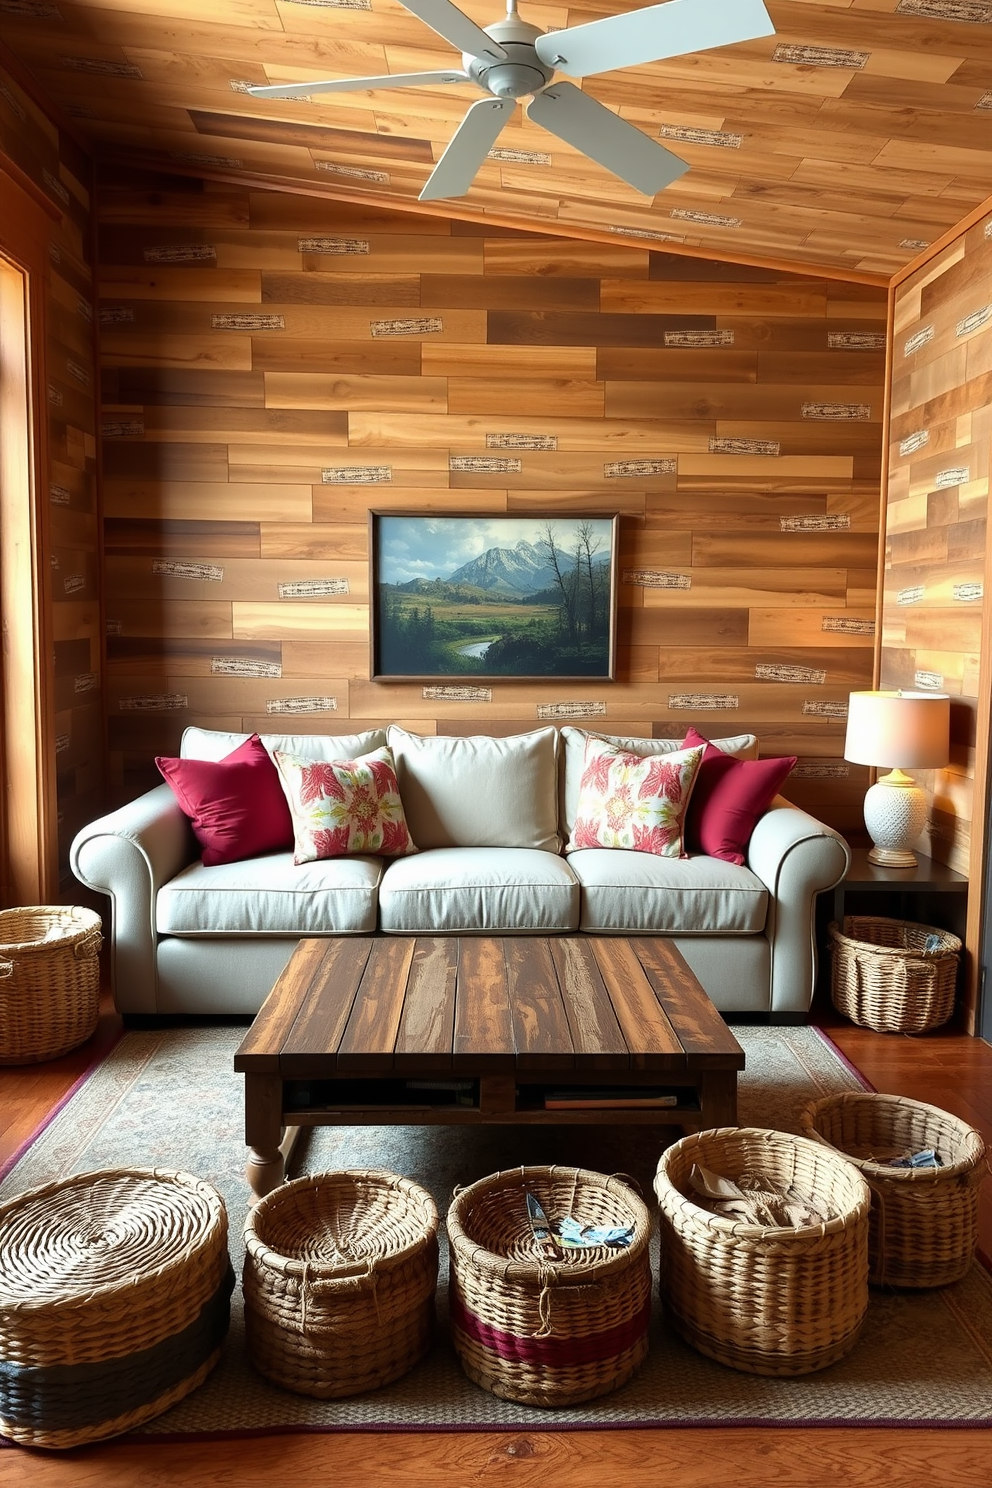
x=717, y=1098
x=270, y=1143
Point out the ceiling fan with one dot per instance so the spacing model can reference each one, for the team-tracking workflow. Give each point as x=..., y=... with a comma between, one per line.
x=511, y=59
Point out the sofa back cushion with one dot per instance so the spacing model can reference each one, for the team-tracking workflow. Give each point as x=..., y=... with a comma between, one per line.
x=214, y=744
x=478, y=791
x=573, y=747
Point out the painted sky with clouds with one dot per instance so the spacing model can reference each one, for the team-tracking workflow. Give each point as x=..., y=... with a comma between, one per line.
x=433, y=547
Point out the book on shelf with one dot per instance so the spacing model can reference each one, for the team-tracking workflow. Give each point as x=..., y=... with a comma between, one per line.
x=593, y=1098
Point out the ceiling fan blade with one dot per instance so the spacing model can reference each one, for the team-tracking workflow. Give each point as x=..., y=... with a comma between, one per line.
x=468, y=148
x=349, y=85
x=649, y=35
x=455, y=26
x=600, y=134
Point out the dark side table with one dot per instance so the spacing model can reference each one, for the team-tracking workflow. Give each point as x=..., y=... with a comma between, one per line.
x=904, y=893
x=929, y=894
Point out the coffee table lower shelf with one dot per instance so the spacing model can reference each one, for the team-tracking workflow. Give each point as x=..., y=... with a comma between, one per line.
x=273, y=1121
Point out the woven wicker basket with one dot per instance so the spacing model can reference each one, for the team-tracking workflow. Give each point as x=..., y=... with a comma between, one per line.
x=339, y=1280
x=777, y=1301
x=547, y=1329
x=49, y=981
x=892, y=975
x=924, y=1221
x=114, y=1302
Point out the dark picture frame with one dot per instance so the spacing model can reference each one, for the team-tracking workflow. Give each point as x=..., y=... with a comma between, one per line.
x=499, y=596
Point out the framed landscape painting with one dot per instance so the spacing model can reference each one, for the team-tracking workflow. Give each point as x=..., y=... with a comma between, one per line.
x=499, y=596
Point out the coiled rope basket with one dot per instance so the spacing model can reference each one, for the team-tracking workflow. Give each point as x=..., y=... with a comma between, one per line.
x=767, y=1300
x=340, y=1278
x=115, y=1292
x=924, y=1221
x=536, y=1325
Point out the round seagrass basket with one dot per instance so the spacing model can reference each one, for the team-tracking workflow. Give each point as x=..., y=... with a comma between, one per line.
x=891, y=975
x=767, y=1300
x=533, y=1322
x=340, y=1276
x=115, y=1294
x=924, y=1221
x=49, y=981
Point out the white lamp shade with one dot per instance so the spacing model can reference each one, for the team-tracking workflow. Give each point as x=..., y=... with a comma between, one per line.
x=900, y=730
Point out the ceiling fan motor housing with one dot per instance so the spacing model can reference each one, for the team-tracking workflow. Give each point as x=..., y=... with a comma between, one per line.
x=522, y=71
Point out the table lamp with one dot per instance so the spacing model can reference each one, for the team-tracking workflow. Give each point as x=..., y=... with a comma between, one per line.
x=900, y=730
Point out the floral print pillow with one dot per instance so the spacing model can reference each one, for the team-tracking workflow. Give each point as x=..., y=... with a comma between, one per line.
x=341, y=807
x=627, y=800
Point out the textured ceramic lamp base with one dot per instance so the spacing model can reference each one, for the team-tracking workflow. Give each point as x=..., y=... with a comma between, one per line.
x=895, y=815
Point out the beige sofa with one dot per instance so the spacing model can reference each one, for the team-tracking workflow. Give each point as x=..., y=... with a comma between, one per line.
x=490, y=817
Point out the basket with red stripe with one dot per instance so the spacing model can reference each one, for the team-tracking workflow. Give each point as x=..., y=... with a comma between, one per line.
x=533, y=1319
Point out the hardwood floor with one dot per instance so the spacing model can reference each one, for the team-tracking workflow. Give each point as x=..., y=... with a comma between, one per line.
x=946, y=1068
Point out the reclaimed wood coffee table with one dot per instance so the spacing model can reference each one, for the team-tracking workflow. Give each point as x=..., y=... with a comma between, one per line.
x=440, y=1029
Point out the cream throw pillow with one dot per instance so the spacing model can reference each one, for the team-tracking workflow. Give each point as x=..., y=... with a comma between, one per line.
x=477, y=790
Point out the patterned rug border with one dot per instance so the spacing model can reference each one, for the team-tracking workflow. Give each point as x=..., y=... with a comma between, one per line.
x=537, y=1420
x=842, y=1058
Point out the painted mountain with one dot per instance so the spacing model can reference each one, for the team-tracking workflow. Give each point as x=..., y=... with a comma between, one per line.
x=523, y=569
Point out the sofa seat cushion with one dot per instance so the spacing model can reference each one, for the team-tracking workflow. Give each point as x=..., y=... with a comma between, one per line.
x=270, y=896
x=692, y=896
x=483, y=890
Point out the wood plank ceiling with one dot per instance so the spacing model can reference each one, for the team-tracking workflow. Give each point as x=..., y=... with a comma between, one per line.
x=851, y=139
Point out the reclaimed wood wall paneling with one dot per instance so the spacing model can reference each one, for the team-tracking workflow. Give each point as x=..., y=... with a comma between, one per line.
x=215, y=458
x=934, y=602
x=70, y=548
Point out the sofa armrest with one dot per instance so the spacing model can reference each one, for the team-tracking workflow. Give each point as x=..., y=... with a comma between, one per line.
x=796, y=857
x=129, y=854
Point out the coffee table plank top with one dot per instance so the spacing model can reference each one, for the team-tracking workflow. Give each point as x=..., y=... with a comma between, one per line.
x=649, y=1036
x=488, y=1006
x=324, y=1015
x=484, y=1040
x=695, y=1020
x=370, y=1036
x=424, y=1039
x=595, y=1033
x=312, y=966
x=540, y=1024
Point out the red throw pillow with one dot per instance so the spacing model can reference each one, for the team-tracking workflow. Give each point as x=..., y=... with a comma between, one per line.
x=235, y=805
x=728, y=798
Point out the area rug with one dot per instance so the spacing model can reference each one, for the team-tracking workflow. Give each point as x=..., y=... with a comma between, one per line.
x=169, y=1098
